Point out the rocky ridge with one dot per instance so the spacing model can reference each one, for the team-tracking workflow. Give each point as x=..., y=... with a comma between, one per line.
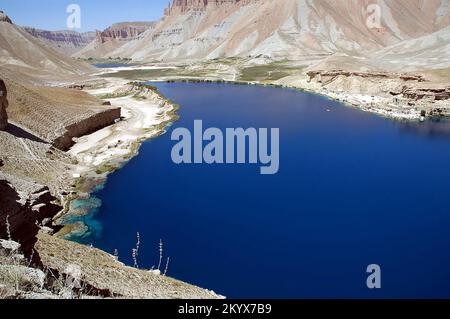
x=284, y=29
x=112, y=38
x=66, y=42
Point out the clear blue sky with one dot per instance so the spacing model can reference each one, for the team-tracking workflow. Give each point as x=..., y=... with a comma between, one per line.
x=95, y=14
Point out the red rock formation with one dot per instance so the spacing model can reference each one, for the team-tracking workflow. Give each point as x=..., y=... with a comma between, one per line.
x=3, y=106
x=123, y=31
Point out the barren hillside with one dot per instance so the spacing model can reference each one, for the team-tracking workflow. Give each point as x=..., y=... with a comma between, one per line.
x=283, y=29
x=24, y=54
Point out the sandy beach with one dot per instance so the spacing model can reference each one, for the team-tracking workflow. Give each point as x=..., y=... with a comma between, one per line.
x=140, y=120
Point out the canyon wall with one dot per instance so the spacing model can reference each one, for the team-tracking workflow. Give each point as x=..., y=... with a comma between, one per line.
x=123, y=31
x=112, y=38
x=86, y=126
x=181, y=6
x=67, y=42
x=3, y=106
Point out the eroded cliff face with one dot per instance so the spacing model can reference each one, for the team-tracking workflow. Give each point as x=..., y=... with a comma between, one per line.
x=3, y=106
x=112, y=38
x=181, y=6
x=21, y=221
x=86, y=126
x=67, y=42
x=123, y=31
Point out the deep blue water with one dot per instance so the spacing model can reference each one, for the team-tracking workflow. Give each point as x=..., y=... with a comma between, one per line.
x=353, y=189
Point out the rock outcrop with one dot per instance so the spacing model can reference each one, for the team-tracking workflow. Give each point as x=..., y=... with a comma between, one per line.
x=113, y=38
x=86, y=126
x=181, y=6
x=56, y=115
x=67, y=42
x=20, y=220
x=3, y=106
x=124, y=31
x=4, y=18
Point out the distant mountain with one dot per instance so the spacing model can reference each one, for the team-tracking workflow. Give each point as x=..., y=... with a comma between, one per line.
x=23, y=54
x=281, y=29
x=113, y=38
x=67, y=42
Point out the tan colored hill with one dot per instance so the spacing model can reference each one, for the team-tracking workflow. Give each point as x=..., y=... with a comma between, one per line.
x=282, y=29
x=25, y=55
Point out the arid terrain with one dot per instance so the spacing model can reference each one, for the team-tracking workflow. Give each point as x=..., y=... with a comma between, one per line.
x=65, y=125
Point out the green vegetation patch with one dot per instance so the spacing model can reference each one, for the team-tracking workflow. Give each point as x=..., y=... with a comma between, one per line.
x=156, y=73
x=268, y=72
x=106, y=168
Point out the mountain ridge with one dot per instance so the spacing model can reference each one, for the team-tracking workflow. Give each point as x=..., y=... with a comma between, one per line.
x=291, y=29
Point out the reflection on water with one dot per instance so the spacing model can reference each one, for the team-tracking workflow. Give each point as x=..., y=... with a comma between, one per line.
x=437, y=127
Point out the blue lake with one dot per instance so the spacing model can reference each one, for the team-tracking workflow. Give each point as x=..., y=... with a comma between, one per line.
x=353, y=189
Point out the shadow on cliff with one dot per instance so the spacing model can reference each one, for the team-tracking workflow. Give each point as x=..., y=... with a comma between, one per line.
x=22, y=219
x=21, y=133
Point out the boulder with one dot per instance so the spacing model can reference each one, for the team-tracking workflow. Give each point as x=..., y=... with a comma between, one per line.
x=3, y=106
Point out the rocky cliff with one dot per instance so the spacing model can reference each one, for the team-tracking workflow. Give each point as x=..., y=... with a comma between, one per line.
x=3, y=106
x=112, y=38
x=67, y=42
x=181, y=6
x=123, y=31
x=21, y=220
x=86, y=126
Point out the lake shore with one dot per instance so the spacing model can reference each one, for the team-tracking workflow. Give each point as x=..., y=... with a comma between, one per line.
x=108, y=149
x=400, y=96
x=145, y=115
